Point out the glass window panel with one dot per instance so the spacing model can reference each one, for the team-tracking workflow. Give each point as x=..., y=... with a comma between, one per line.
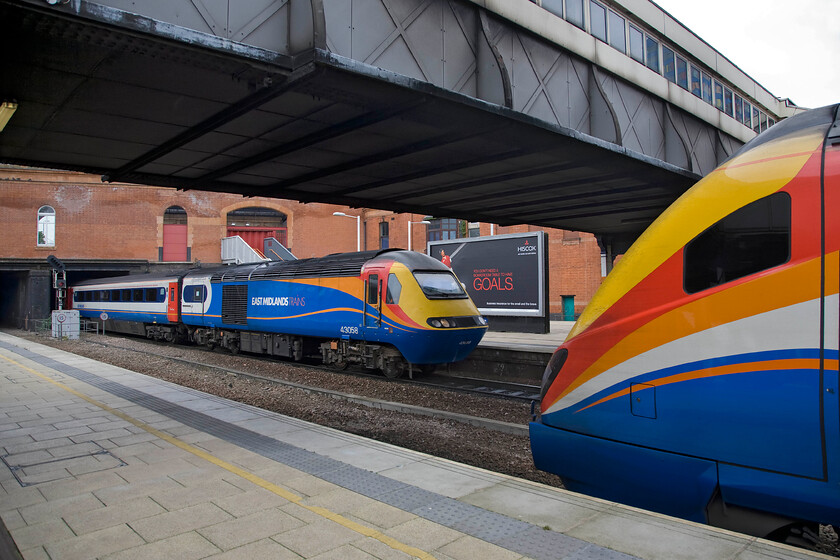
x=755, y=120
x=682, y=72
x=373, y=289
x=739, y=108
x=727, y=101
x=762, y=121
x=617, y=32
x=751, y=239
x=652, y=53
x=718, y=96
x=553, y=6
x=669, y=67
x=394, y=289
x=46, y=226
x=436, y=285
x=637, y=44
x=137, y=294
x=695, y=82
x=574, y=12
x=707, y=88
x=747, y=114
x=770, y=122
x=598, y=20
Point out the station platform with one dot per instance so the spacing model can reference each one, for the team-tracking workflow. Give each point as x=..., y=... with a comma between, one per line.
x=512, y=357
x=101, y=462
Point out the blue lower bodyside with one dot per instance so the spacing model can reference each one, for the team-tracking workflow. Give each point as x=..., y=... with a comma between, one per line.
x=665, y=482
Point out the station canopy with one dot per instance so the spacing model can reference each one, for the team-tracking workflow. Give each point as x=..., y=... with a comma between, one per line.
x=190, y=113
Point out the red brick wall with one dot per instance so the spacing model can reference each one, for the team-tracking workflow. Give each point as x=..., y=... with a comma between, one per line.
x=96, y=220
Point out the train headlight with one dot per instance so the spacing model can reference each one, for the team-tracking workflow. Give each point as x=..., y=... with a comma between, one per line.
x=444, y=322
x=481, y=320
x=435, y=323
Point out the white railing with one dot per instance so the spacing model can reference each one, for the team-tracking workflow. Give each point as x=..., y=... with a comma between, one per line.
x=236, y=251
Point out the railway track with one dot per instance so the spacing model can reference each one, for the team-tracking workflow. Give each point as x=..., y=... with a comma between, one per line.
x=466, y=385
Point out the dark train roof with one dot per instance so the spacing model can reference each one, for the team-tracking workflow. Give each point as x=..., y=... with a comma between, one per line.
x=338, y=264
x=129, y=278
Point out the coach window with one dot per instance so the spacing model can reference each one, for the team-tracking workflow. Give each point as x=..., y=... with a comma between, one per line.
x=46, y=226
x=749, y=240
x=137, y=294
x=394, y=289
x=598, y=20
x=618, y=33
x=152, y=294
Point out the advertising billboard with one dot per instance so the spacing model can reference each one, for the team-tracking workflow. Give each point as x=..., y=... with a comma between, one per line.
x=503, y=274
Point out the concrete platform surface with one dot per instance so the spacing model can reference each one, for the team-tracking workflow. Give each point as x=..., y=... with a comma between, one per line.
x=101, y=462
x=529, y=342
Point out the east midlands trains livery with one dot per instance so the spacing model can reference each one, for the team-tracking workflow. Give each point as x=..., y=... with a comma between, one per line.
x=390, y=310
x=702, y=379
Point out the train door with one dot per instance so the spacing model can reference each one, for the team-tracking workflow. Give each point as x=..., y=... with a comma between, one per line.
x=831, y=296
x=172, y=303
x=373, y=299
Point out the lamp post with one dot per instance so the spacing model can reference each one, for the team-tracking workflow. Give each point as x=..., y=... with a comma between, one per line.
x=358, y=228
x=409, y=231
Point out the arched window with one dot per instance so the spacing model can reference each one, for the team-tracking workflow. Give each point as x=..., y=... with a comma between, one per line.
x=46, y=226
x=175, y=235
x=253, y=224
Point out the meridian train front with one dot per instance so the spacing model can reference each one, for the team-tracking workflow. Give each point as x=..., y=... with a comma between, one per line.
x=702, y=379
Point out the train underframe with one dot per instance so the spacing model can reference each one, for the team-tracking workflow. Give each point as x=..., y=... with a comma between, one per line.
x=336, y=353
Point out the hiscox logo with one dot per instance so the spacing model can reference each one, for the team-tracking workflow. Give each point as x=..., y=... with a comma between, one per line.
x=526, y=249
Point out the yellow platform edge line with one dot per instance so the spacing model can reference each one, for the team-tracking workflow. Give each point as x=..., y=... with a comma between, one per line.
x=262, y=483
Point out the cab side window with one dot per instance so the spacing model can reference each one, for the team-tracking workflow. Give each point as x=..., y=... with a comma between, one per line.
x=373, y=289
x=394, y=289
x=751, y=239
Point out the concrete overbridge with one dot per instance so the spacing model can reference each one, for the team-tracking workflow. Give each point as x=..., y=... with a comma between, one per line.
x=446, y=107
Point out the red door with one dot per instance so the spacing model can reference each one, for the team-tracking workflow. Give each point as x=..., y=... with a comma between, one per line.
x=174, y=242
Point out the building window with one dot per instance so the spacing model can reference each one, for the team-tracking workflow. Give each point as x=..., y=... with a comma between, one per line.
x=618, y=39
x=747, y=114
x=707, y=88
x=652, y=53
x=383, y=235
x=553, y=6
x=637, y=44
x=442, y=229
x=669, y=67
x=718, y=96
x=574, y=13
x=682, y=72
x=727, y=101
x=46, y=226
x=598, y=20
x=739, y=108
x=474, y=229
x=695, y=82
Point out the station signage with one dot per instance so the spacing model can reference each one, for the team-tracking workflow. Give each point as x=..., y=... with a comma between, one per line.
x=503, y=274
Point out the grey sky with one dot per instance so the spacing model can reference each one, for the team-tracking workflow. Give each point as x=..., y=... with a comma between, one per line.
x=791, y=48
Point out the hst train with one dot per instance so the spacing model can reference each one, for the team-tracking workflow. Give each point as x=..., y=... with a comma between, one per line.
x=391, y=310
x=702, y=379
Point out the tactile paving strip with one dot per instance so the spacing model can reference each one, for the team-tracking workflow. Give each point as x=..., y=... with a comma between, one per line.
x=518, y=536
